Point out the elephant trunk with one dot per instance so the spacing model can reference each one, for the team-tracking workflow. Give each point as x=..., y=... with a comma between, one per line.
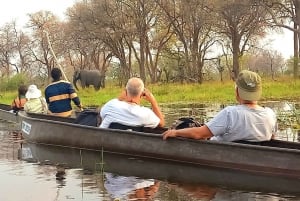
x=74, y=83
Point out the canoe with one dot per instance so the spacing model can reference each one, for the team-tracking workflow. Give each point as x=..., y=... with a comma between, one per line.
x=273, y=158
x=171, y=171
x=7, y=114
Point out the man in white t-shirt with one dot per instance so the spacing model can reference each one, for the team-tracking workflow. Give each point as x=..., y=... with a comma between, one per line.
x=247, y=121
x=126, y=109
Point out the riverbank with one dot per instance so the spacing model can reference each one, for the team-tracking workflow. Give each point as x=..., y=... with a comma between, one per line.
x=209, y=92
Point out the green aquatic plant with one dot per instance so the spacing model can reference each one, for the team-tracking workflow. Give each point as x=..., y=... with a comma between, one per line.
x=289, y=117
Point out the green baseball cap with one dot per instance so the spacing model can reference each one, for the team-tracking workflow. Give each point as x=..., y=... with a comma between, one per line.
x=249, y=85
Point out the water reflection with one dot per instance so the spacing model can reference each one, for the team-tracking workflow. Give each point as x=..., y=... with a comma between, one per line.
x=123, y=177
x=129, y=187
x=55, y=173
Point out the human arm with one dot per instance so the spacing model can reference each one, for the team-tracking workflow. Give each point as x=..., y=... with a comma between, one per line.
x=13, y=104
x=197, y=133
x=147, y=95
x=123, y=95
x=74, y=97
x=26, y=107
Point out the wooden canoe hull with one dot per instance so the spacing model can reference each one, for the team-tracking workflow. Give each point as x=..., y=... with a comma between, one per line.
x=256, y=159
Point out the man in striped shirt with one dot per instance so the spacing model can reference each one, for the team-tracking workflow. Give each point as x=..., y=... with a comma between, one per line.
x=59, y=94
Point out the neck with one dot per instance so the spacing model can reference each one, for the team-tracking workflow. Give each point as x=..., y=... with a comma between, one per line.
x=132, y=100
x=251, y=104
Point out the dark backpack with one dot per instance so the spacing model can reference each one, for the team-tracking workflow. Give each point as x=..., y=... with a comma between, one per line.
x=88, y=118
x=185, y=122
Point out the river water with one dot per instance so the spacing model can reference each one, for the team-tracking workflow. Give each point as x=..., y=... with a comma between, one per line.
x=30, y=172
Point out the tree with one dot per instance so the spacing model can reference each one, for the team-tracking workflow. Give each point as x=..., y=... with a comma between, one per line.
x=7, y=48
x=192, y=24
x=240, y=22
x=266, y=62
x=44, y=23
x=283, y=12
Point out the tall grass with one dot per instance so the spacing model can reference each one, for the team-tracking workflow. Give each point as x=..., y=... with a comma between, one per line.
x=212, y=92
x=9, y=87
x=209, y=92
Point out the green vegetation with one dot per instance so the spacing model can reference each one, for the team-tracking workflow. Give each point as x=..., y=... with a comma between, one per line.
x=12, y=83
x=210, y=92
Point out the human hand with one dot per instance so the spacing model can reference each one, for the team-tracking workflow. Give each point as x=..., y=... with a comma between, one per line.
x=169, y=133
x=80, y=108
x=147, y=95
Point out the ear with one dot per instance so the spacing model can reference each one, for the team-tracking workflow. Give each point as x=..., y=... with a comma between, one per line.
x=237, y=95
x=77, y=73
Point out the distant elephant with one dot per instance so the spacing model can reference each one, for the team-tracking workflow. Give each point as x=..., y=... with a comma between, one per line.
x=89, y=77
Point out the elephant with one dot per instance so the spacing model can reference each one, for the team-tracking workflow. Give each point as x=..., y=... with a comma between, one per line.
x=89, y=77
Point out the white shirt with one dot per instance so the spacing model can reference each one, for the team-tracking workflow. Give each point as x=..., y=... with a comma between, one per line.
x=127, y=114
x=243, y=123
x=119, y=187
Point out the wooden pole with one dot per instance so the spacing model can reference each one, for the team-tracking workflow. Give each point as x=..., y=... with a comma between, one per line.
x=50, y=46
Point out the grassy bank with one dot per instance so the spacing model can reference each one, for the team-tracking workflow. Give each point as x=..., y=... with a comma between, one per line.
x=212, y=92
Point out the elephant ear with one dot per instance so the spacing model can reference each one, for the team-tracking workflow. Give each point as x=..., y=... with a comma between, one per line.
x=76, y=73
x=76, y=77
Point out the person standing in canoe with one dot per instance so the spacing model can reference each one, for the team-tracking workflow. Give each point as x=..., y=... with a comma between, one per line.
x=59, y=95
x=19, y=102
x=126, y=110
x=36, y=103
x=247, y=121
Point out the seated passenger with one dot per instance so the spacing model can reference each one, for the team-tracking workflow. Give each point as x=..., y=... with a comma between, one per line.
x=35, y=102
x=59, y=95
x=19, y=102
x=247, y=121
x=126, y=110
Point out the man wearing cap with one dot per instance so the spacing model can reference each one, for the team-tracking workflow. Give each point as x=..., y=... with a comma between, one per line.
x=247, y=121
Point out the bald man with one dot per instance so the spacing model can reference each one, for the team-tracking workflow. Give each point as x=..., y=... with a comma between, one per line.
x=126, y=109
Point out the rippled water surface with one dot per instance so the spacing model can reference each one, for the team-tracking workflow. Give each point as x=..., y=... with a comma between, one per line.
x=31, y=172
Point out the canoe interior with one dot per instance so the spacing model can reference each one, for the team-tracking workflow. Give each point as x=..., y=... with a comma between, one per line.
x=275, y=143
x=51, y=117
x=7, y=115
x=72, y=120
x=5, y=107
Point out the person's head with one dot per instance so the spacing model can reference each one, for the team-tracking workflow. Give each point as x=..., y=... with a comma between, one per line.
x=56, y=74
x=249, y=87
x=135, y=87
x=33, y=92
x=22, y=90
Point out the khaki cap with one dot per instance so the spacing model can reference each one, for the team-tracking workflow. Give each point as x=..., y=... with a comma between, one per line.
x=249, y=85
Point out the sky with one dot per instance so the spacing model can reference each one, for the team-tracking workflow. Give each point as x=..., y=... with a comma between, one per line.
x=18, y=9
x=282, y=42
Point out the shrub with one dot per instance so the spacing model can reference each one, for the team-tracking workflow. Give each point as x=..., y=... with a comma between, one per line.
x=12, y=83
